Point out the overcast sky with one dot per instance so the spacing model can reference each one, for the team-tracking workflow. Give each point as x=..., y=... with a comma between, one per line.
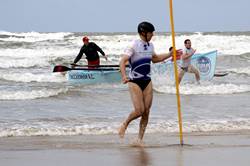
x=123, y=15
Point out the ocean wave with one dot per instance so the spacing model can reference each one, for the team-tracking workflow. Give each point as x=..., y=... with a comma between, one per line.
x=224, y=125
x=211, y=89
x=32, y=36
x=52, y=52
x=116, y=43
x=205, y=43
x=29, y=95
x=24, y=62
x=69, y=127
x=26, y=58
x=30, y=77
x=241, y=70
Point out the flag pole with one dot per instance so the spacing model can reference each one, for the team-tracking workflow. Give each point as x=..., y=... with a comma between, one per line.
x=176, y=72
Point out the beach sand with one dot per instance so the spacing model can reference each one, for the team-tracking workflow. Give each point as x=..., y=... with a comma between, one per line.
x=227, y=149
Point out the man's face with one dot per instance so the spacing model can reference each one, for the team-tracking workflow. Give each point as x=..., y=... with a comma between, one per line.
x=188, y=44
x=86, y=42
x=150, y=35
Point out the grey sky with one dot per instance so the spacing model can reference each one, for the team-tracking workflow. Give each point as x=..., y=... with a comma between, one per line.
x=122, y=15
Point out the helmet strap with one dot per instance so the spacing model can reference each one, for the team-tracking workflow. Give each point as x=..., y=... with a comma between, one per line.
x=145, y=36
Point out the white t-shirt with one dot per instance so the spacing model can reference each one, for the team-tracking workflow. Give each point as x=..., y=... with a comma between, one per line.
x=186, y=62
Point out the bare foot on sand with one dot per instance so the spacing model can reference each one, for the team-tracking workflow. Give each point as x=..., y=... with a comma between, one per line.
x=137, y=143
x=122, y=130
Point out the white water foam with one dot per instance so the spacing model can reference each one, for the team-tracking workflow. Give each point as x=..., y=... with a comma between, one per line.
x=34, y=53
x=33, y=36
x=30, y=77
x=33, y=94
x=51, y=128
x=24, y=63
x=211, y=125
x=241, y=70
x=206, y=89
x=225, y=45
x=115, y=44
x=18, y=58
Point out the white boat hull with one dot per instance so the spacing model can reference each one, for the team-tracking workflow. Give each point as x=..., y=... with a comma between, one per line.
x=93, y=76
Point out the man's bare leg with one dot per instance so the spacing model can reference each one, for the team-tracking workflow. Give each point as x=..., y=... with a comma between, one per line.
x=196, y=72
x=137, y=99
x=197, y=76
x=181, y=74
x=148, y=97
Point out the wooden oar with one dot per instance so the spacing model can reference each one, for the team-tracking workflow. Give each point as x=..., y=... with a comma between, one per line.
x=100, y=66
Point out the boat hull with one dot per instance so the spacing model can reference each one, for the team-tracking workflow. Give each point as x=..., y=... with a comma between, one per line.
x=93, y=77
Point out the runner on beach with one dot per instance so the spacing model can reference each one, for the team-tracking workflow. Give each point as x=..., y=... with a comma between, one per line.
x=140, y=54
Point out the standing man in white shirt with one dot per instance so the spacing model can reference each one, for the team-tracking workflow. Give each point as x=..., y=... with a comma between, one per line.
x=186, y=65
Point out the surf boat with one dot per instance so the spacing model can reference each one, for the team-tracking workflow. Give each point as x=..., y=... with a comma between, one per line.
x=85, y=75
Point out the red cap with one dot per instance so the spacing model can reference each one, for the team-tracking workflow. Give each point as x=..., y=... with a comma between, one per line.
x=85, y=38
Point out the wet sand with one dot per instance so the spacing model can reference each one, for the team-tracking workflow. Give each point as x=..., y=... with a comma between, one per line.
x=227, y=149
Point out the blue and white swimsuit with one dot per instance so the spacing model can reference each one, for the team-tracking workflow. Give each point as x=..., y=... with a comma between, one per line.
x=140, y=57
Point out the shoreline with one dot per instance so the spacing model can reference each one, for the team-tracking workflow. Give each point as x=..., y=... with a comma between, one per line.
x=217, y=149
x=150, y=140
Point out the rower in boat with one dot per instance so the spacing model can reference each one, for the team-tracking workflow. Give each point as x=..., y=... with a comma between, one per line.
x=90, y=49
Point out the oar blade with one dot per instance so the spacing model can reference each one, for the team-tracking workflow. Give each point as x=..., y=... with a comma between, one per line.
x=220, y=74
x=60, y=68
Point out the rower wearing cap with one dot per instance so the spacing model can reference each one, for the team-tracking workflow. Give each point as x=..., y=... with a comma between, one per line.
x=90, y=49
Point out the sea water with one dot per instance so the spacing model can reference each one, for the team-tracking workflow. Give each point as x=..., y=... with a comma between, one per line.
x=34, y=101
